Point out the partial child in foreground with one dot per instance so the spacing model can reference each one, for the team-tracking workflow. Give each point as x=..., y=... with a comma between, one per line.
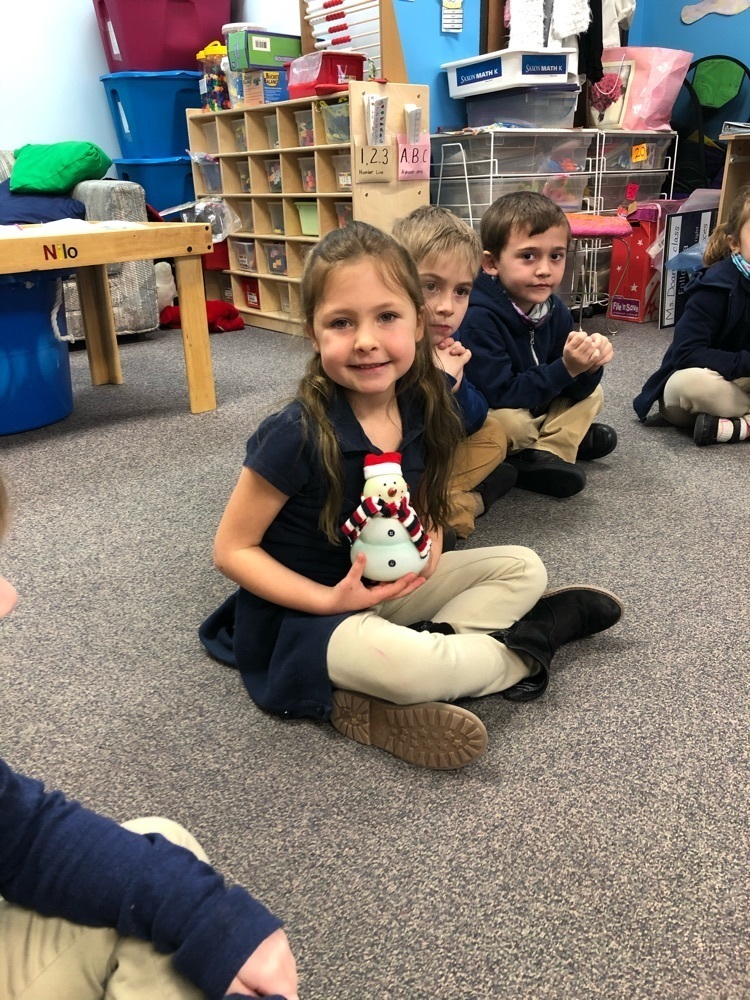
x=448, y=256
x=310, y=635
x=91, y=910
x=540, y=377
x=704, y=378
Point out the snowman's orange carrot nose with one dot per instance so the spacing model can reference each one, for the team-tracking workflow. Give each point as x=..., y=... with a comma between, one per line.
x=392, y=491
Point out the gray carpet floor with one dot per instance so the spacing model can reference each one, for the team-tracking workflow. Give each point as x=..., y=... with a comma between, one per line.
x=599, y=849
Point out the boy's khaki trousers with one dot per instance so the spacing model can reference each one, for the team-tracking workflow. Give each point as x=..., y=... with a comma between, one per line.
x=45, y=958
x=560, y=430
x=476, y=457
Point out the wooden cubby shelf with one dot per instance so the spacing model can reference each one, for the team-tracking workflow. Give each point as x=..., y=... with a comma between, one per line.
x=288, y=196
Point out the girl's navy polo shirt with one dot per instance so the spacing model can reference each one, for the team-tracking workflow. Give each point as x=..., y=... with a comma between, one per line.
x=282, y=653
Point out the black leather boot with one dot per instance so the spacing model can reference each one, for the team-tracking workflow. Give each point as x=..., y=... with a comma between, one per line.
x=561, y=616
x=427, y=626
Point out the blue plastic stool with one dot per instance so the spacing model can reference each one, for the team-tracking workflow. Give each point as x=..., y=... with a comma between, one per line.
x=35, y=386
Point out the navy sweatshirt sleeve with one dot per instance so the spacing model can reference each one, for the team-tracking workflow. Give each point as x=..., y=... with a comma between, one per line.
x=471, y=403
x=60, y=859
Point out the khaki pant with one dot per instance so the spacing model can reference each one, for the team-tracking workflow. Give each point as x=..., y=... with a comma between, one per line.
x=45, y=958
x=699, y=390
x=476, y=457
x=476, y=591
x=560, y=430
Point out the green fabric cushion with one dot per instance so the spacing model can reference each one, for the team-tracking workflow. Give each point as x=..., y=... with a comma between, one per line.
x=56, y=168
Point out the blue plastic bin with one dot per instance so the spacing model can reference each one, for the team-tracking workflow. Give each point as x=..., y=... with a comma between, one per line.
x=35, y=386
x=148, y=111
x=167, y=182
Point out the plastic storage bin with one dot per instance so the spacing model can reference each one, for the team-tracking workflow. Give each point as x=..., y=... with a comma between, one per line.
x=210, y=172
x=342, y=168
x=273, y=175
x=336, y=122
x=157, y=34
x=304, y=121
x=167, y=181
x=276, y=211
x=272, y=130
x=251, y=293
x=240, y=135
x=219, y=259
x=35, y=386
x=285, y=298
x=139, y=100
x=319, y=73
x=307, y=174
x=532, y=107
x=509, y=152
x=623, y=189
x=308, y=217
x=636, y=151
x=509, y=68
x=213, y=87
x=243, y=173
x=245, y=255
x=275, y=257
x=245, y=211
x=344, y=213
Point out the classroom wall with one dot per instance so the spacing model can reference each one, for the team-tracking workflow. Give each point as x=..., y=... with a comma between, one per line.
x=658, y=22
x=52, y=92
x=49, y=88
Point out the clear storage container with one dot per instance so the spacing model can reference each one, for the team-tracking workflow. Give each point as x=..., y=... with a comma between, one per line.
x=276, y=211
x=243, y=173
x=245, y=255
x=342, y=168
x=272, y=130
x=275, y=257
x=240, y=135
x=344, y=213
x=336, y=121
x=304, y=121
x=530, y=107
x=273, y=174
x=623, y=189
x=636, y=152
x=307, y=174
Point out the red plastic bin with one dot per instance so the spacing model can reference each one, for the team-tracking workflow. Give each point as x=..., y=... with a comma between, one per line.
x=319, y=73
x=157, y=34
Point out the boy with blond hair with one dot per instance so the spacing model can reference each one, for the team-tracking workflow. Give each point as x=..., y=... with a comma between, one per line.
x=540, y=377
x=448, y=255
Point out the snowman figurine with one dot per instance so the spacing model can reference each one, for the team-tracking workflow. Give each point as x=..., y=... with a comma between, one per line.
x=385, y=527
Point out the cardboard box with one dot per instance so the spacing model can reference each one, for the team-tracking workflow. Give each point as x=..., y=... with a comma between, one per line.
x=264, y=86
x=261, y=49
x=682, y=231
x=633, y=280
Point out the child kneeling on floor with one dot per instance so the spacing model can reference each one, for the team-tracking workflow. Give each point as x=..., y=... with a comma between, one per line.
x=704, y=379
x=310, y=632
x=540, y=377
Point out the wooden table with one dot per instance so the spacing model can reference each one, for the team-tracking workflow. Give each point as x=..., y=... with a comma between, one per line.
x=88, y=253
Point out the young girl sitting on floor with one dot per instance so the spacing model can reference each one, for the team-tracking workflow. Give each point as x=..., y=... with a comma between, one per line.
x=704, y=379
x=310, y=633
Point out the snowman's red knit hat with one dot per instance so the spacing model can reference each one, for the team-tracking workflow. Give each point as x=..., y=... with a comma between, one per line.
x=387, y=464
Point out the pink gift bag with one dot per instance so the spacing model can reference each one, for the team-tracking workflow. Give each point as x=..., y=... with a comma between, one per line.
x=638, y=89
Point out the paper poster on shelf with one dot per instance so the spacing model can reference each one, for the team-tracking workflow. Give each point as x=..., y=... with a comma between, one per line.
x=414, y=159
x=374, y=164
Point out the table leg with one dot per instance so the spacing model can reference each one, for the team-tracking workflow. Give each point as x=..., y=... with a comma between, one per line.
x=189, y=276
x=99, y=324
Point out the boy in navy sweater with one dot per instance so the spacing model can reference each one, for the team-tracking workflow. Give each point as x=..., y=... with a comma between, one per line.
x=540, y=377
x=140, y=916
x=448, y=255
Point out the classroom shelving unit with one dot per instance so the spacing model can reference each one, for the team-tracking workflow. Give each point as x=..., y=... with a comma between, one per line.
x=291, y=173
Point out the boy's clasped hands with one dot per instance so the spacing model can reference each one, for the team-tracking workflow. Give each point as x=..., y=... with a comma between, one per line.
x=452, y=356
x=586, y=352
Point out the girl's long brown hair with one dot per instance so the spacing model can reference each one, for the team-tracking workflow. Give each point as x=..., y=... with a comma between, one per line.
x=316, y=391
x=718, y=246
